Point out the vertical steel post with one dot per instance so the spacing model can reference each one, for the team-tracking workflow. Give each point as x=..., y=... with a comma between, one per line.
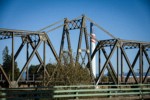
x=91, y=25
x=80, y=39
x=141, y=64
x=27, y=72
x=117, y=65
x=62, y=40
x=122, y=74
x=99, y=61
x=13, y=56
x=44, y=56
x=68, y=41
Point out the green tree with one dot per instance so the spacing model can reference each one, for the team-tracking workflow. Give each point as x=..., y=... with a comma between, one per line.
x=7, y=64
x=66, y=73
x=33, y=73
x=32, y=69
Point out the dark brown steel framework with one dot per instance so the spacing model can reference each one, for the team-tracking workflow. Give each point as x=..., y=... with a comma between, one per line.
x=78, y=23
x=27, y=39
x=122, y=45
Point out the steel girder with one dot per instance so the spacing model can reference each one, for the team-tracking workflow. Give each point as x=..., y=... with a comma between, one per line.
x=72, y=25
x=26, y=36
x=27, y=40
x=66, y=34
x=80, y=24
x=122, y=45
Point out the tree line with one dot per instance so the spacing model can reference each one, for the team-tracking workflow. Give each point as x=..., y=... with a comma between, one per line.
x=59, y=74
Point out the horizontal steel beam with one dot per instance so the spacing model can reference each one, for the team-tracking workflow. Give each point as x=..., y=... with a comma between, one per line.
x=6, y=32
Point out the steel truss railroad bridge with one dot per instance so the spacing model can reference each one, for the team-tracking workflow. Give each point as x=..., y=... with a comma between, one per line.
x=118, y=47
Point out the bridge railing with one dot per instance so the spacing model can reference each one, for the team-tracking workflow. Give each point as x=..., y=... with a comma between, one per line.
x=77, y=91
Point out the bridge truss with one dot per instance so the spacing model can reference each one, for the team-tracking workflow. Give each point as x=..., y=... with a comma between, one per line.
x=35, y=38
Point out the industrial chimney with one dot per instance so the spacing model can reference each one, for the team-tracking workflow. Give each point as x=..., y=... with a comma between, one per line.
x=92, y=47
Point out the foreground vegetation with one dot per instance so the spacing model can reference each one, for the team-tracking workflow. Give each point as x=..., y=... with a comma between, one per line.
x=58, y=74
x=63, y=74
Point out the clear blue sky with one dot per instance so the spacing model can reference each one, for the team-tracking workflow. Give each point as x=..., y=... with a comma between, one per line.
x=126, y=19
